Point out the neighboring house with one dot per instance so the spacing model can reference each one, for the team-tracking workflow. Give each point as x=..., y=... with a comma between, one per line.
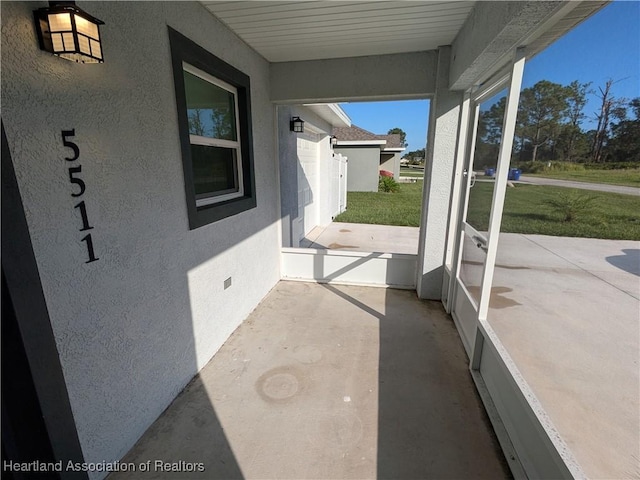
x=391, y=154
x=313, y=177
x=141, y=197
x=367, y=154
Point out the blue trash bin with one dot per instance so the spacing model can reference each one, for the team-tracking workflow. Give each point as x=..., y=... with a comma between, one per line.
x=490, y=172
x=514, y=174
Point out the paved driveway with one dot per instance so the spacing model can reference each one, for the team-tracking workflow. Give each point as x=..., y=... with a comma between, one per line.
x=568, y=312
x=600, y=187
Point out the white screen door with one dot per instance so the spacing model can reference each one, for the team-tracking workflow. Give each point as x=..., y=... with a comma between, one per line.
x=489, y=140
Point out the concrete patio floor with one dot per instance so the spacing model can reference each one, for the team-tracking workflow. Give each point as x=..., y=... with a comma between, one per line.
x=331, y=382
x=568, y=311
x=364, y=237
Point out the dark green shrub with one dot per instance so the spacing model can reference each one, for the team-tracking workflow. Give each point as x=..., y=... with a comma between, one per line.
x=612, y=166
x=571, y=205
x=388, y=185
x=531, y=167
x=541, y=166
x=566, y=167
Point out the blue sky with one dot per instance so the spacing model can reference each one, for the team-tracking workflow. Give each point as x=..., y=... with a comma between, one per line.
x=607, y=45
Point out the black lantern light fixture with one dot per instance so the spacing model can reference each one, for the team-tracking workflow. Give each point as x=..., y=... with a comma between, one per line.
x=297, y=125
x=68, y=32
x=334, y=140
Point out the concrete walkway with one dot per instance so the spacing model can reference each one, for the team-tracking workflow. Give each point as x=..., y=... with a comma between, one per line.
x=568, y=312
x=601, y=187
x=331, y=382
x=363, y=237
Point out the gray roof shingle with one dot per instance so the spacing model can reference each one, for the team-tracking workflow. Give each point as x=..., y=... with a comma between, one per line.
x=355, y=133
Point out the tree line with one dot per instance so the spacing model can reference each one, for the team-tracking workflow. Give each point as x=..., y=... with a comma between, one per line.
x=549, y=126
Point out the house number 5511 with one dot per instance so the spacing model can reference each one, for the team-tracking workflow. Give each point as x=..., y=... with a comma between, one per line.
x=78, y=190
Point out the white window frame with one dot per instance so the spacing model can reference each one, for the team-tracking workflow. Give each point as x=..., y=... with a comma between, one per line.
x=217, y=142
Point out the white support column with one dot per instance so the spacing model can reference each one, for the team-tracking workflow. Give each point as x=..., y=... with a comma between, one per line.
x=444, y=119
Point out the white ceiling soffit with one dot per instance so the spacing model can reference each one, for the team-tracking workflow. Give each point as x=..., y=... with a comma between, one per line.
x=311, y=30
x=567, y=15
x=332, y=113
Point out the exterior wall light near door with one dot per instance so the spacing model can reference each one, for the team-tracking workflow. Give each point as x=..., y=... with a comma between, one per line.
x=67, y=31
x=334, y=140
x=297, y=125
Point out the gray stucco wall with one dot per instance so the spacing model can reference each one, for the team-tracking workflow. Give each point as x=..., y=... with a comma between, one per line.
x=372, y=77
x=135, y=326
x=493, y=30
x=444, y=125
x=288, y=166
x=391, y=163
x=363, y=164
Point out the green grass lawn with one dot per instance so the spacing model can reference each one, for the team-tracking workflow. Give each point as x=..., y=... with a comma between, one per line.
x=629, y=177
x=610, y=216
x=402, y=208
x=411, y=172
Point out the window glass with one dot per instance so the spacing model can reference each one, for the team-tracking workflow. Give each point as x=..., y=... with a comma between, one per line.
x=214, y=170
x=214, y=122
x=210, y=109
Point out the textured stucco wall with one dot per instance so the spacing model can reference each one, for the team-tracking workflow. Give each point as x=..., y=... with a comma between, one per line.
x=376, y=77
x=134, y=327
x=288, y=165
x=444, y=119
x=363, y=165
x=492, y=32
x=391, y=163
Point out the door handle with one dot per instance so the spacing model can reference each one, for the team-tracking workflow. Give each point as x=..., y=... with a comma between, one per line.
x=465, y=173
x=480, y=242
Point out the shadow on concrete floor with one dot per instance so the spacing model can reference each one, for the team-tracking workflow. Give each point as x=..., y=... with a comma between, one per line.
x=629, y=261
x=332, y=382
x=186, y=441
x=431, y=423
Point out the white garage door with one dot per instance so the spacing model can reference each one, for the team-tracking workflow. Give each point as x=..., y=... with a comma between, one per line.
x=308, y=183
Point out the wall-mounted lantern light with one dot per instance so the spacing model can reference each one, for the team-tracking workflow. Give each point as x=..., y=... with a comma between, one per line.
x=69, y=32
x=334, y=141
x=297, y=125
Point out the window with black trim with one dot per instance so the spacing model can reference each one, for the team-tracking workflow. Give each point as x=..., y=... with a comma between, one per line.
x=214, y=121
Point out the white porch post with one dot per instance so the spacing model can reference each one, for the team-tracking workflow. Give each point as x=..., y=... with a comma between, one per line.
x=439, y=168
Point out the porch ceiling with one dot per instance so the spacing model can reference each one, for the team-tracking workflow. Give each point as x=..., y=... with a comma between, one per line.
x=311, y=30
